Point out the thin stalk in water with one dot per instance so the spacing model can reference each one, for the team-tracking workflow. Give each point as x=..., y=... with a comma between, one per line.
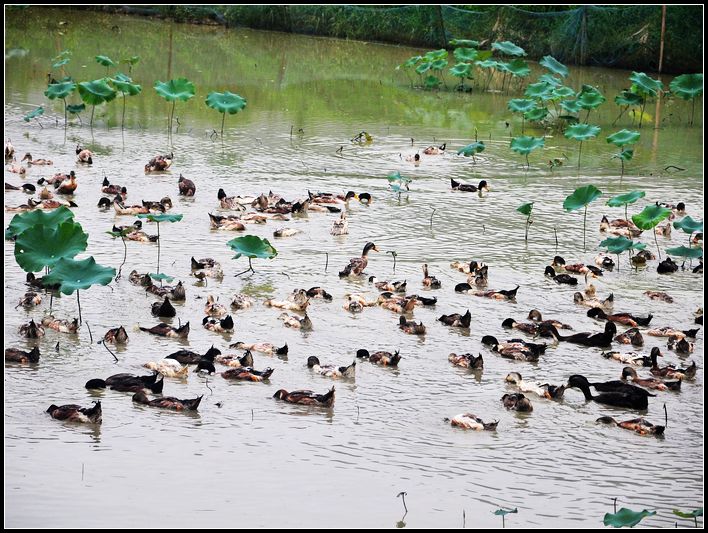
x=642, y=115
x=693, y=108
x=64, y=112
x=122, y=120
x=528, y=223
x=93, y=108
x=585, y=216
x=657, y=244
x=249, y=269
x=125, y=256
x=223, y=117
x=158, y=247
x=580, y=151
x=78, y=302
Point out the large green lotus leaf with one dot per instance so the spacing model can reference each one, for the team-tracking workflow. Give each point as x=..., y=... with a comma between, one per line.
x=537, y=113
x=618, y=245
x=412, y=61
x=105, y=61
x=623, y=137
x=645, y=84
x=683, y=251
x=626, y=517
x=571, y=106
x=691, y=514
x=688, y=225
x=465, y=54
x=626, y=198
x=540, y=90
x=75, y=109
x=436, y=54
x=132, y=60
x=581, y=197
x=423, y=67
x=519, y=68
x=48, y=219
x=461, y=70
x=581, y=132
x=590, y=99
x=650, y=216
x=125, y=84
x=504, y=512
x=687, y=86
x=508, y=48
x=502, y=66
x=162, y=217
x=551, y=80
x=253, y=247
x=472, y=149
x=42, y=246
x=96, y=92
x=438, y=64
x=72, y=275
x=555, y=66
x=525, y=209
x=161, y=277
x=34, y=114
x=431, y=82
x=396, y=176
x=625, y=155
x=464, y=42
x=563, y=92
x=226, y=102
x=179, y=89
x=521, y=105
x=60, y=90
x=526, y=144
x=628, y=98
x=487, y=63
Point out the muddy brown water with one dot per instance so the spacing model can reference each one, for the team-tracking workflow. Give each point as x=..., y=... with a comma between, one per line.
x=282, y=465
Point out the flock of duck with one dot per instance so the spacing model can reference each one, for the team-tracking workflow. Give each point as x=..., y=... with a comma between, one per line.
x=630, y=391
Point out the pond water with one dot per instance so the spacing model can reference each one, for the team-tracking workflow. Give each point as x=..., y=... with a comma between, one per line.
x=282, y=465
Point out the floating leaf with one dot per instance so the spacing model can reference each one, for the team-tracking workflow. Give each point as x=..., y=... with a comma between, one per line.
x=34, y=114
x=105, y=61
x=538, y=113
x=525, y=209
x=179, y=89
x=519, y=68
x=252, y=247
x=521, y=105
x=687, y=86
x=465, y=54
x=472, y=149
x=618, y=245
x=226, y=102
x=398, y=188
x=74, y=275
x=626, y=198
x=161, y=217
x=623, y=138
x=688, y=225
x=96, y=92
x=464, y=42
x=525, y=144
x=692, y=514
x=42, y=246
x=581, y=132
x=461, y=70
x=645, y=85
x=48, y=219
x=508, y=48
x=60, y=90
x=650, y=216
x=555, y=66
x=626, y=517
x=161, y=277
x=628, y=98
x=683, y=251
x=581, y=197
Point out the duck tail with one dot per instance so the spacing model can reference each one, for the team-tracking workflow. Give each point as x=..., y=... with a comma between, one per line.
x=227, y=323
x=246, y=359
x=282, y=350
x=347, y=270
x=183, y=331
x=466, y=319
x=454, y=184
x=193, y=405
x=644, y=321
x=490, y=426
x=157, y=387
x=328, y=398
x=94, y=413
x=348, y=371
x=267, y=373
x=395, y=358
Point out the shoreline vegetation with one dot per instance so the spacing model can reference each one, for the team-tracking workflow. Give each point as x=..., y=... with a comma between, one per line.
x=626, y=37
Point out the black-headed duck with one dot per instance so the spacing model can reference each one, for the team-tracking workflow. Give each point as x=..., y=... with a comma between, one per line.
x=629, y=374
x=167, y=402
x=159, y=163
x=430, y=281
x=108, y=188
x=625, y=319
x=563, y=279
x=104, y=203
x=164, y=308
x=294, y=322
x=537, y=317
x=318, y=292
x=224, y=325
x=466, y=187
x=32, y=330
x=380, y=358
x=245, y=373
x=517, y=402
x=76, y=413
x=365, y=198
x=116, y=336
x=617, y=393
x=188, y=357
x=632, y=336
x=467, y=360
x=165, y=330
x=25, y=187
x=61, y=325
x=638, y=425
x=214, y=308
x=457, y=320
x=670, y=371
x=235, y=361
x=602, y=340
x=409, y=326
x=531, y=329
x=515, y=348
x=605, y=261
x=128, y=383
x=186, y=186
x=470, y=421
x=306, y=397
x=341, y=226
x=550, y=392
x=357, y=264
x=261, y=347
x=15, y=355
x=389, y=286
x=232, y=202
x=667, y=266
x=330, y=370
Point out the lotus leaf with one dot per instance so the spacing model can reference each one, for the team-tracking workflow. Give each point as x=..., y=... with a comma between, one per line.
x=96, y=92
x=692, y=514
x=626, y=517
x=571, y=106
x=74, y=275
x=105, y=61
x=581, y=197
x=132, y=60
x=60, y=90
x=398, y=188
x=521, y=105
x=563, y=92
x=487, y=63
x=618, y=245
x=525, y=209
x=226, y=102
x=683, y=251
x=161, y=217
x=34, y=114
x=502, y=66
x=687, y=86
x=439, y=64
x=650, y=216
x=555, y=66
x=161, y=277
x=628, y=98
x=688, y=225
x=590, y=99
x=125, y=85
x=551, y=80
x=626, y=198
x=423, y=67
x=412, y=61
x=75, y=109
x=252, y=247
x=464, y=42
x=42, y=246
x=461, y=70
x=538, y=113
x=504, y=512
x=465, y=54
x=540, y=90
x=645, y=85
x=519, y=68
x=625, y=155
x=526, y=144
x=472, y=149
x=431, y=82
x=582, y=132
x=436, y=54
x=179, y=89
x=508, y=48
x=48, y=219
x=623, y=138
x=61, y=63
x=396, y=176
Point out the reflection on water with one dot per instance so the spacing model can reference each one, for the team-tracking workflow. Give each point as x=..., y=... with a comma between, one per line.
x=296, y=466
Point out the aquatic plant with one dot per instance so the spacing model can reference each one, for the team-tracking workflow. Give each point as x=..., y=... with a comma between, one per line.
x=525, y=209
x=471, y=149
x=688, y=87
x=526, y=144
x=619, y=245
x=649, y=218
x=225, y=102
x=625, y=199
x=60, y=90
x=173, y=90
x=95, y=93
x=162, y=217
x=61, y=59
x=124, y=84
x=621, y=139
x=462, y=71
x=626, y=517
x=688, y=225
x=122, y=234
x=131, y=62
x=555, y=66
x=691, y=514
x=106, y=62
x=76, y=109
x=35, y=114
x=523, y=106
x=589, y=98
x=398, y=183
x=581, y=197
x=646, y=88
x=625, y=100
x=49, y=219
x=252, y=247
x=581, y=133
x=41, y=246
x=504, y=512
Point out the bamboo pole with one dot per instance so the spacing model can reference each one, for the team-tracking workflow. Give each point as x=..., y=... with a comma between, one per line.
x=663, y=34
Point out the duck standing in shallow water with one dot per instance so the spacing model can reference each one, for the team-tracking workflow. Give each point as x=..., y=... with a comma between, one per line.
x=306, y=397
x=638, y=425
x=167, y=402
x=470, y=421
x=76, y=413
x=357, y=264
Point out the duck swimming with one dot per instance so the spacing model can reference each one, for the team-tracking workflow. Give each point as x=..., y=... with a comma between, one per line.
x=530, y=329
x=577, y=268
x=76, y=413
x=297, y=301
x=9, y=150
x=411, y=327
x=169, y=368
x=60, y=325
x=306, y=397
x=550, y=392
x=128, y=383
x=234, y=361
x=318, y=292
x=607, y=304
x=602, y=340
x=294, y=322
x=32, y=330
x=232, y=202
x=227, y=223
x=177, y=292
x=628, y=373
x=168, y=402
x=159, y=163
x=286, y=232
x=638, y=425
x=164, y=308
x=516, y=349
x=388, y=286
x=467, y=360
x=261, y=347
x=537, y=317
x=671, y=332
x=357, y=264
x=83, y=155
x=15, y=355
x=329, y=370
x=457, y=320
x=680, y=345
x=186, y=186
x=667, y=266
x=380, y=358
x=621, y=318
x=224, y=325
x=208, y=267
x=632, y=336
x=494, y=295
x=214, y=308
x=30, y=161
x=470, y=421
x=517, y=402
x=241, y=301
x=563, y=279
x=164, y=330
x=435, y=150
x=116, y=336
x=670, y=371
x=466, y=187
x=248, y=374
x=630, y=358
x=430, y=281
x=30, y=299
x=617, y=393
x=25, y=187
x=341, y=226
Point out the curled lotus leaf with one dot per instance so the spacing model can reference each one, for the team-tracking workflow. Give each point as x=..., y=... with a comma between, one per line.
x=252, y=247
x=688, y=225
x=626, y=517
x=692, y=514
x=525, y=209
x=508, y=48
x=60, y=90
x=472, y=149
x=521, y=105
x=650, y=216
x=687, y=86
x=34, y=114
x=161, y=217
x=226, y=102
x=525, y=144
x=48, y=219
x=537, y=113
x=683, y=251
x=72, y=275
x=618, y=245
x=628, y=98
x=96, y=92
x=644, y=85
x=461, y=70
x=105, y=61
x=626, y=198
x=623, y=137
x=582, y=132
x=555, y=66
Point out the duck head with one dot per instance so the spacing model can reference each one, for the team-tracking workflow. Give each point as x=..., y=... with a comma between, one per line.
x=550, y=272
x=483, y=186
x=628, y=373
x=312, y=361
x=558, y=261
x=598, y=313
x=369, y=246
x=513, y=377
x=490, y=341
x=508, y=323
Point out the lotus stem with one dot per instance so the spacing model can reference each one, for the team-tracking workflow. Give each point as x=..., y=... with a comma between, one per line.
x=622, y=173
x=622, y=112
x=657, y=243
x=587, y=116
x=625, y=213
x=223, y=117
x=431, y=219
x=249, y=269
x=64, y=112
x=585, y=216
x=326, y=261
x=158, y=247
x=78, y=302
x=125, y=256
x=614, y=504
x=693, y=108
x=122, y=120
x=580, y=151
x=172, y=114
x=644, y=104
x=51, y=302
x=527, y=159
x=555, y=232
x=528, y=223
x=618, y=262
x=523, y=121
x=93, y=108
